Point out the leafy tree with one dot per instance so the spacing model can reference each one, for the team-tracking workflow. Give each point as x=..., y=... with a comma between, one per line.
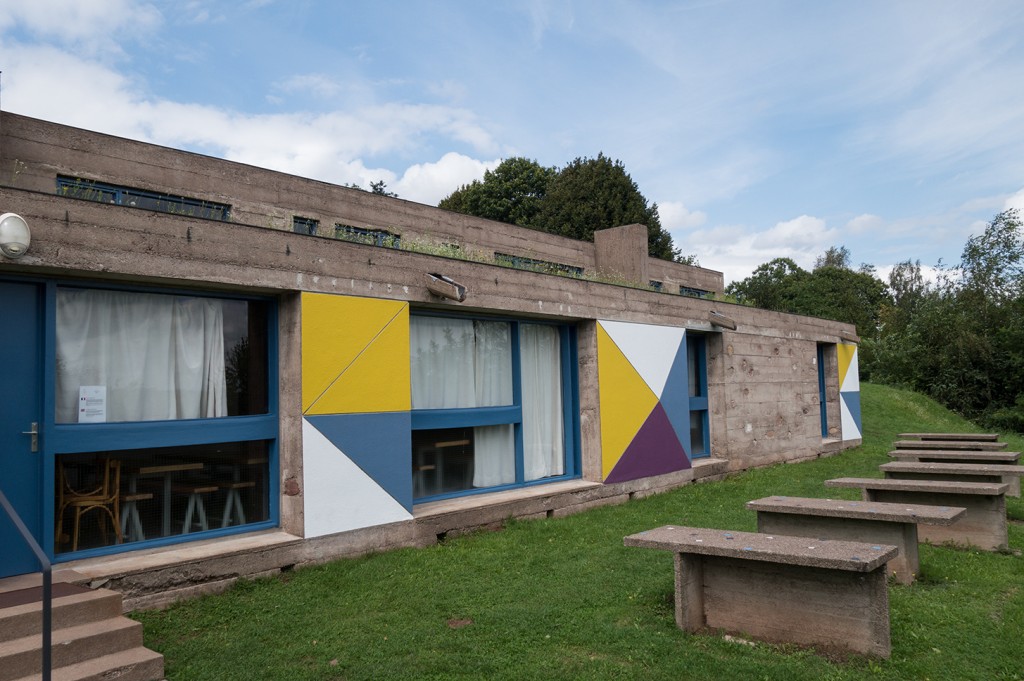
x=513, y=192
x=585, y=196
x=381, y=187
x=596, y=193
x=832, y=290
x=835, y=256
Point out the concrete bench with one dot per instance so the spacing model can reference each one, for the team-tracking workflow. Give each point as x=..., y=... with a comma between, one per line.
x=969, y=472
x=966, y=437
x=784, y=589
x=962, y=456
x=949, y=444
x=866, y=521
x=983, y=524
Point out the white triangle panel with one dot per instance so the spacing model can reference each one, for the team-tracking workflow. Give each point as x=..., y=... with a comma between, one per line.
x=851, y=384
x=649, y=348
x=849, y=425
x=338, y=495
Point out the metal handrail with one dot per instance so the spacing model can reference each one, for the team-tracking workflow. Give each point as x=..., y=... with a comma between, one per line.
x=44, y=562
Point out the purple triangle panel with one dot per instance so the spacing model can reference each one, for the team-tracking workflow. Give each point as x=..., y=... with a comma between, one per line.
x=654, y=451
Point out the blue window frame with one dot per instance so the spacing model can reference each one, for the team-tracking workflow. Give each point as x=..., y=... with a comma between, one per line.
x=102, y=192
x=691, y=292
x=231, y=452
x=301, y=225
x=696, y=359
x=362, y=235
x=533, y=264
x=822, y=403
x=495, y=404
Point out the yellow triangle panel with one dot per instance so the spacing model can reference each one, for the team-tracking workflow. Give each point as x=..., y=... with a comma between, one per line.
x=355, y=354
x=626, y=401
x=844, y=352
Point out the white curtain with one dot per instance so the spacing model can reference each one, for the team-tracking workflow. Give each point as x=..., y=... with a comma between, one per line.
x=541, y=374
x=459, y=363
x=158, y=356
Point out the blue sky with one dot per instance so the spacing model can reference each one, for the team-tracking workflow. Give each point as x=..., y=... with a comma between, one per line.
x=762, y=128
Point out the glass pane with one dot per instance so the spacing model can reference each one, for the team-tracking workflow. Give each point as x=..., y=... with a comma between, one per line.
x=128, y=356
x=108, y=498
x=697, y=433
x=458, y=459
x=459, y=363
x=541, y=367
x=693, y=355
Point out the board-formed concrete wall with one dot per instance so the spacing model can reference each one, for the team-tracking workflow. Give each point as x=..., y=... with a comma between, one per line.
x=763, y=374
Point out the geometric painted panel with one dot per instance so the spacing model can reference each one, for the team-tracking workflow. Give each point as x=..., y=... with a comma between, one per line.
x=626, y=401
x=849, y=375
x=338, y=495
x=355, y=354
x=655, y=450
x=849, y=391
x=850, y=414
x=380, y=444
x=644, y=400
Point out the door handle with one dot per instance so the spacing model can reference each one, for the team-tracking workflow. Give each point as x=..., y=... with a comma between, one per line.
x=34, y=432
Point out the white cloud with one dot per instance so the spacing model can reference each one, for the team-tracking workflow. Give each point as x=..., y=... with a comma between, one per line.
x=431, y=182
x=89, y=26
x=49, y=83
x=316, y=84
x=864, y=223
x=1016, y=201
x=676, y=216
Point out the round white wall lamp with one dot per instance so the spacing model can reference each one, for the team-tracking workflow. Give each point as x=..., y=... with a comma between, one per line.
x=15, y=236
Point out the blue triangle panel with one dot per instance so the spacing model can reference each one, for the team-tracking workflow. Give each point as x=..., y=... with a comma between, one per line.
x=852, y=401
x=675, y=398
x=380, y=444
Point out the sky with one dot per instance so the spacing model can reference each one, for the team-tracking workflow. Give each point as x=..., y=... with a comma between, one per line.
x=761, y=128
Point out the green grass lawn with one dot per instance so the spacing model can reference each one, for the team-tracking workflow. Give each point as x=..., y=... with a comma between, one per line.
x=563, y=599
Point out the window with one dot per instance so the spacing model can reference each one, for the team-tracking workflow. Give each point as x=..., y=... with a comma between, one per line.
x=695, y=292
x=656, y=285
x=166, y=404
x=91, y=190
x=490, y=401
x=373, y=237
x=696, y=360
x=130, y=356
x=302, y=225
x=546, y=266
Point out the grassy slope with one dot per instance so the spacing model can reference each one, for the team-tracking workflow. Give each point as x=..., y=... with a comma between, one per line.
x=563, y=599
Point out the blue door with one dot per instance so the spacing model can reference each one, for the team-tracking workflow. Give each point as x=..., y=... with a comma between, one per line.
x=822, y=403
x=21, y=412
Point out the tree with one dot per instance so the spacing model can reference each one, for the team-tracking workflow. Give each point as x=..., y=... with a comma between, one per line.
x=835, y=256
x=596, y=193
x=993, y=262
x=832, y=290
x=585, y=196
x=381, y=187
x=513, y=192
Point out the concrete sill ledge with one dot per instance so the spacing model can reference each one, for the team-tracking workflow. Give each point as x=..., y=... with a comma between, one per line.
x=436, y=508
x=105, y=567
x=706, y=468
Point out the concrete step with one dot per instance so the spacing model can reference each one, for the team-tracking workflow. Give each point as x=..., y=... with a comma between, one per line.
x=135, y=664
x=67, y=611
x=72, y=645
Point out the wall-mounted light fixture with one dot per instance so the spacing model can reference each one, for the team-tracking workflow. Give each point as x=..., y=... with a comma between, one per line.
x=445, y=287
x=15, y=236
x=719, y=319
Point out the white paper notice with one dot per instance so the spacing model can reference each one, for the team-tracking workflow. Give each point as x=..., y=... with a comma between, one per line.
x=92, y=404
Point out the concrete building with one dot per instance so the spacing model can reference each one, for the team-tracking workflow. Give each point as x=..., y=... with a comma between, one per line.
x=249, y=371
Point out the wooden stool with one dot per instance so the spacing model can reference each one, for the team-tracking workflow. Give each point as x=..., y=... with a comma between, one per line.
x=233, y=510
x=196, y=507
x=131, y=524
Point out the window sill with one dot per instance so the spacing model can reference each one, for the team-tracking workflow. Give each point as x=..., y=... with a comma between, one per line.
x=436, y=508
